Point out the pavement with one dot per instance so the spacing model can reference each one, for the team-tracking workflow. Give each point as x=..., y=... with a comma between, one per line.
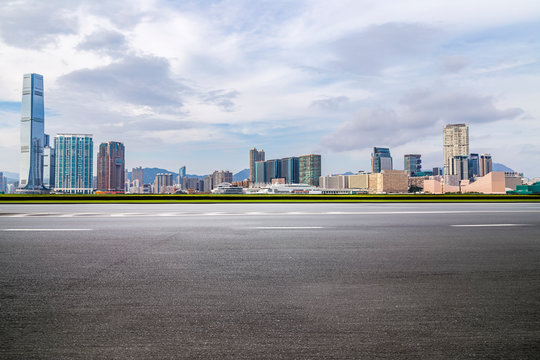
x=277, y=281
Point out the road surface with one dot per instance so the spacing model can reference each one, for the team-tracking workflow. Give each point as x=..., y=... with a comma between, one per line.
x=246, y=281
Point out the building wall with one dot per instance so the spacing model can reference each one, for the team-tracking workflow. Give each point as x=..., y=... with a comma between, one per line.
x=137, y=174
x=512, y=180
x=455, y=143
x=486, y=165
x=74, y=163
x=389, y=181
x=254, y=156
x=310, y=169
x=334, y=182
x=359, y=181
x=492, y=183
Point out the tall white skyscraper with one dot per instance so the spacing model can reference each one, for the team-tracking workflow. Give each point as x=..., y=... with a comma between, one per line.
x=455, y=143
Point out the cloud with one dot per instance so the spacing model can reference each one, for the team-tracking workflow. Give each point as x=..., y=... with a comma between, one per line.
x=422, y=113
x=221, y=98
x=112, y=43
x=330, y=103
x=35, y=24
x=141, y=81
x=453, y=64
x=378, y=46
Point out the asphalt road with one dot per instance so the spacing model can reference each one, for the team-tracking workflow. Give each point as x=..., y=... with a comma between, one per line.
x=246, y=281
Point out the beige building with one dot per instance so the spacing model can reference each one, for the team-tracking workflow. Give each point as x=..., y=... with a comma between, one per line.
x=359, y=181
x=389, y=181
x=512, y=180
x=334, y=182
x=455, y=143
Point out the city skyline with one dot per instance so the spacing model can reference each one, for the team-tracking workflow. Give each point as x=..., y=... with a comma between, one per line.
x=282, y=77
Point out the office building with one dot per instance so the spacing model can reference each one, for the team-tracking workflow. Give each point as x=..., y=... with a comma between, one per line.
x=334, y=182
x=181, y=174
x=137, y=174
x=273, y=169
x=163, y=183
x=48, y=167
x=260, y=172
x=460, y=167
x=221, y=176
x=254, y=156
x=290, y=170
x=474, y=165
x=193, y=184
x=437, y=171
x=74, y=163
x=32, y=135
x=111, y=168
x=310, y=169
x=381, y=160
x=388, y=181
x=486, y=165
x=455, y=143
x=3, y=183
x=412, y=164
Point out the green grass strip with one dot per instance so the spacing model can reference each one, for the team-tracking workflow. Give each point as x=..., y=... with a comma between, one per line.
x=211, y=198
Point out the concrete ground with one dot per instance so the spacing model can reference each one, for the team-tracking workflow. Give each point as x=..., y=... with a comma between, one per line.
x=245, y=281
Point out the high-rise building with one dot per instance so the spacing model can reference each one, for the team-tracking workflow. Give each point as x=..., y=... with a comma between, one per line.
x=474, y=165
x=290, y=170
x=310, y=169
x=254, y=156
x=412, y=164
x=381, y=160
x=137, y=174
x=219, y=177
x=460, y=167
x=181, y=174
x=48, y=167
x=74, y=163
x=486, y=165
x=260, y=172
x=32, y=134
x=111, y=168
x=455, y=143
x=163, y=183
x=3, y=183
x=273, y=169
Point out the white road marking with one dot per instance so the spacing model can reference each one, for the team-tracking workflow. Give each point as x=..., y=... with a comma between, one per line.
x=216, y=213
x=287, y=227
x=45, y=229
x=489, y=225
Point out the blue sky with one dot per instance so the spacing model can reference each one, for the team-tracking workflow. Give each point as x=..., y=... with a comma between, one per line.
x=198, y=83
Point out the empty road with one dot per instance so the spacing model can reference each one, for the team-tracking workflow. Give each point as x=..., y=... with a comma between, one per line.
x=279, y=281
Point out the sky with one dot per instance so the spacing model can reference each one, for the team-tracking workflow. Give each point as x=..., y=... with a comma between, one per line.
x=199, y=83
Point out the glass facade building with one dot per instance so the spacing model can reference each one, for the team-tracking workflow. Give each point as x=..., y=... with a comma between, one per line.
x=381, y=160
x=310, y=169
x=74, y=163
x=412, y=164
x=260, y=172
x=32, y=134
x=290, y=170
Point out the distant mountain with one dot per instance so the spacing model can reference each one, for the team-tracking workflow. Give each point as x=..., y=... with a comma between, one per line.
x=11, y=176
x=241, y=175
x=501, y=167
